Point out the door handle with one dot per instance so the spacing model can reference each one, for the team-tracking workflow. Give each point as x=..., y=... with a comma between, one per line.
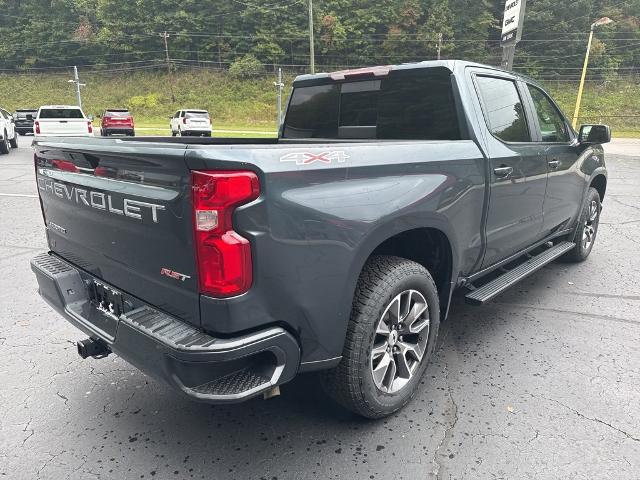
x=554, y=164
x=503, y=171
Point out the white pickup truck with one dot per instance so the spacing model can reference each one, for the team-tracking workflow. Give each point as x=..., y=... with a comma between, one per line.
x=62, y=121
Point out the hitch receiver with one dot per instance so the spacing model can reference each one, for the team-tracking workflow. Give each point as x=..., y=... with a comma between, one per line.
x=92, y=347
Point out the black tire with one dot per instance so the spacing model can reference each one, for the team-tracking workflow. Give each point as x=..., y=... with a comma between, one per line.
x=4, y=145
x=352, y=383
x=14, y=141
x=586, y=222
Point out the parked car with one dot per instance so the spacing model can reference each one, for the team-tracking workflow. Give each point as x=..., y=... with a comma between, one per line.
x=117, y=121
x=195, y=123
x=228, y=266
x=24, y=119
x=62, y=121
x=8, y=135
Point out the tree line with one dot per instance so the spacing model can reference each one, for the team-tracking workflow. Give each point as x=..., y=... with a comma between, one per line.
x=128, y=35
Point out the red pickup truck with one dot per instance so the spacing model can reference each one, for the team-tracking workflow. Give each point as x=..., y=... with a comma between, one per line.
x=117, y=121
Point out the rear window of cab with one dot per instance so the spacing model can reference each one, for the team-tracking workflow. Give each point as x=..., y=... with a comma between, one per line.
x=412, y=104
x=63, y=113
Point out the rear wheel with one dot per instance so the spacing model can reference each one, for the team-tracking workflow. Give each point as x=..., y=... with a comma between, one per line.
x=390, y=337
x=4, y=144
x=585, y=235
x=14, y=141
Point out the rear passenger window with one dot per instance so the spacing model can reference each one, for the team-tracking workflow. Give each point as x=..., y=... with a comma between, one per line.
x=503, y=109
x=412, y=104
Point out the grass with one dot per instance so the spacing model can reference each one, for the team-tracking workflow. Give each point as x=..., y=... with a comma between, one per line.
x=615, y=104
x=249, y=105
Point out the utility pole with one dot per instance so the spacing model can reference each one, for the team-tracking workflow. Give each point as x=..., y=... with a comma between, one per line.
x=165, y=35
x=76, y=81
x=279, y=86
x=439, y=44
x=311, y=45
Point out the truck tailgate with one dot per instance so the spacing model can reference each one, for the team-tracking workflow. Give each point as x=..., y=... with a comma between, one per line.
x=123, y=215
x=68, y=126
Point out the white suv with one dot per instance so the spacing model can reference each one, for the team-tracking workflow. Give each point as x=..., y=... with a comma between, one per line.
x=191, y=122
x=8, y=135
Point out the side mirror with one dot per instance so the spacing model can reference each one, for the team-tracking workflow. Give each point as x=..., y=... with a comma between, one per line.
x=594, y=134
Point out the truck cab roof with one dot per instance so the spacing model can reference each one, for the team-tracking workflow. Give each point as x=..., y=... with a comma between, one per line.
x=381, y=71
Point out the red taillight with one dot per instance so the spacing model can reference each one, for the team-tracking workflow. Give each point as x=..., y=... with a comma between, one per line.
x=36, y=124
x=90, y=127
x=184, y=120
x=224, y=257
x=105, y=120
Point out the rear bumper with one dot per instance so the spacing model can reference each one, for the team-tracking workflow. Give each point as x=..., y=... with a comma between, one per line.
x=49, y=135
x=118, y=130
x=196, y=133
x=204, y=368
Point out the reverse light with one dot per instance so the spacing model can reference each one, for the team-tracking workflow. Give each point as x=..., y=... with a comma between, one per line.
x=223, y=256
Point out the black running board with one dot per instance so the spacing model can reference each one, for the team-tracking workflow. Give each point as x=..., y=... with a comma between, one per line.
x=496, y=287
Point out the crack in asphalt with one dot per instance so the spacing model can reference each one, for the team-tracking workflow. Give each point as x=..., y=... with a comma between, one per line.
x=452, y=410
x=593, y=419
x=31, y=430
x=576, y=412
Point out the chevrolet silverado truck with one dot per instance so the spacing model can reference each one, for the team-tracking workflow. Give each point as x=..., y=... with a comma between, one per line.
x=226, y=267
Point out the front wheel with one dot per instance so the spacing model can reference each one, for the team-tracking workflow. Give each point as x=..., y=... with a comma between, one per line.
x=390, y=338
x=585, y=235
x=4, y=144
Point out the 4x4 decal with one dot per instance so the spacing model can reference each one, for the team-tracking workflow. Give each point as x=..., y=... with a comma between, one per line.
x=307, y=158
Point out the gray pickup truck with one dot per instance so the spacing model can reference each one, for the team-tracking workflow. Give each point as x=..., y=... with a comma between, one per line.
x=228, y=266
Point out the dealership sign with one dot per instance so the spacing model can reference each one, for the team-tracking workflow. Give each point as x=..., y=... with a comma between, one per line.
x=512, y=21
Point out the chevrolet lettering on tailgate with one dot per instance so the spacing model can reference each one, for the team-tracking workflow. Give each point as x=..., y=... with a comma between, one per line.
x=99, y=200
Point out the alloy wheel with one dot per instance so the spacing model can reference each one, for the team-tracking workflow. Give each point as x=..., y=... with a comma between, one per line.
x=400, y=341
x=590, y=225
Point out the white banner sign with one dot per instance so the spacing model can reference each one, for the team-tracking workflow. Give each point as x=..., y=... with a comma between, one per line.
x=511, y=21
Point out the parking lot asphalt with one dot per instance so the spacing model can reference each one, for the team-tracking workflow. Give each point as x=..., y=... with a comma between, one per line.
x=542, y=383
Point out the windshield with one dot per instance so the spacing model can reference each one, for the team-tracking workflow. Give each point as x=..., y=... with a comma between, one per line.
x=117, y=113
x=24, y=113
x=196, y=114
x=61, y=113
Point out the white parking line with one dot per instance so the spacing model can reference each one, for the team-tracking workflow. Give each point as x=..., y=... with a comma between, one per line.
x=18, y=195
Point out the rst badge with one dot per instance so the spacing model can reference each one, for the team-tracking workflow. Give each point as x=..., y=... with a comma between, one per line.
x=308, y=158
x=175, y=275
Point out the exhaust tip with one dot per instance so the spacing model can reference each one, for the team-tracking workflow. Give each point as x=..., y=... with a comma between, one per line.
x=92, y=347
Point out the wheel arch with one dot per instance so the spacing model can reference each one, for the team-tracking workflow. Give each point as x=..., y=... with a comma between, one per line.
x=599, y=182
x=413, y=240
